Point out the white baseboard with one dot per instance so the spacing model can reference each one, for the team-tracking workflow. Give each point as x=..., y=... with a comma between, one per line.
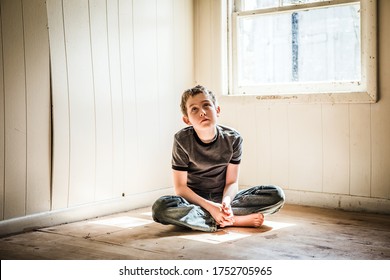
x=79, y=213
x=338, y=201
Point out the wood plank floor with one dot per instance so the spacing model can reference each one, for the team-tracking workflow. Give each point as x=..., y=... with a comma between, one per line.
x=296, y=232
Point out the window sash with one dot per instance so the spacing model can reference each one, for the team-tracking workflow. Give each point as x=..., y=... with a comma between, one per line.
x=296, y=7
x=334, y=91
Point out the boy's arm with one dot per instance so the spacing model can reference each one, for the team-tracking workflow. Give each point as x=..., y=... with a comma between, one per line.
x=181, y=189
x=231, y=187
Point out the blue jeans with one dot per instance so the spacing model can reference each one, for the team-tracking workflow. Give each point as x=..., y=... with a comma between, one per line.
x=175, y=210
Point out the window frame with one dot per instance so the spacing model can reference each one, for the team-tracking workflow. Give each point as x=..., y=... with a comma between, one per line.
x=364, y=91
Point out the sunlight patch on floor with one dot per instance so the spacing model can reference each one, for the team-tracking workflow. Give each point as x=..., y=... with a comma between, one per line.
x=147, y=214
x=277, y=225
x=123, y=222
x=231, y=234
x=215, y=238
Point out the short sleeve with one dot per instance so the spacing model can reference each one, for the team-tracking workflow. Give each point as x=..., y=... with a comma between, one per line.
x=237, y=150
x=180, y=159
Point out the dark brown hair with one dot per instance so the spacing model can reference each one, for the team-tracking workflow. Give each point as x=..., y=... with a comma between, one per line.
x=191, y=93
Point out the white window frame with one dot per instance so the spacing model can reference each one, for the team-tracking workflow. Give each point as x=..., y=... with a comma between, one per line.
x=364, y=91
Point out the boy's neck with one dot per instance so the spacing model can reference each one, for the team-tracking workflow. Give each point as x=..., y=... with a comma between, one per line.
x=207, y=136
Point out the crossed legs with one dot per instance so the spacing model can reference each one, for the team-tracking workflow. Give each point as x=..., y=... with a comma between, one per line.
x=249, y=207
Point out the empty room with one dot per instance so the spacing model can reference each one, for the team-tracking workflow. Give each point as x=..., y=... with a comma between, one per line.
x=265, y=123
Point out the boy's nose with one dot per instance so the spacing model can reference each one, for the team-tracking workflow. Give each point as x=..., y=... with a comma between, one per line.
x=202, y=113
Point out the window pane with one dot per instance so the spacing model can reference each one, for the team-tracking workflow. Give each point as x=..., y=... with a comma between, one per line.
x=318, y=45
x=264, y=49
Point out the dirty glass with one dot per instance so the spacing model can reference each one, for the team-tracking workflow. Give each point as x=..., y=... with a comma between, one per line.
x=312, y=45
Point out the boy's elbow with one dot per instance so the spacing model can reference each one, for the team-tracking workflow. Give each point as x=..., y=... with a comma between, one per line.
x=178, y=190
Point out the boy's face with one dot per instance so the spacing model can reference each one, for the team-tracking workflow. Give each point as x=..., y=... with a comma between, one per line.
x=201, y=112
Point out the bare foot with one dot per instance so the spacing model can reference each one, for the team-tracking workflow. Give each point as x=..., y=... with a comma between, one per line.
x=251, y=220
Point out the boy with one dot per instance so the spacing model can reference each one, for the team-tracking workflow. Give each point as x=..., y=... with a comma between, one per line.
x=205, y=163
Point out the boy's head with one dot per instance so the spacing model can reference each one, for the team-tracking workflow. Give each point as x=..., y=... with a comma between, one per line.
x=191, y=93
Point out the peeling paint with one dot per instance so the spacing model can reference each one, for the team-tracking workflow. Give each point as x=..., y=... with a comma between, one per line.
x=274, y=97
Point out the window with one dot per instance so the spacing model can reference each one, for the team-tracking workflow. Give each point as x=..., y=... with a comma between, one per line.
x=303, y=49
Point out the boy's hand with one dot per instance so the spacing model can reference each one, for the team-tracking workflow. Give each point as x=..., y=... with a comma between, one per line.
x=223, y=214
x=229, y=218
x=227, y=209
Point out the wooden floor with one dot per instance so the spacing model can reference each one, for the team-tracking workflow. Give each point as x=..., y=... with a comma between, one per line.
x=296, y=232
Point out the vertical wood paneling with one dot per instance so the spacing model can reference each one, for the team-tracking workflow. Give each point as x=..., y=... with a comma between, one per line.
x=81, y=98
x=2, y=123
x=204, y=21
x=15, y=109
x=168, y=101
x=336, y=152
x=279, y=145
x=380, y=112
x=145, y=54
x=103, y=113
x=60, y=106
x=305, y=152
x=138, y=73
x=184, y=65
x=38, y=106
x=117, y=69
x=117, y=98
x=360, y=149
x=217, y=59
x=249, y=171
x=260, y=145
x=380, y=149
x=229, y=111
x=131, y=183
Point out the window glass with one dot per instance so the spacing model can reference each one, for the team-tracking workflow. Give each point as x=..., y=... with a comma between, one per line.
x=314, y=45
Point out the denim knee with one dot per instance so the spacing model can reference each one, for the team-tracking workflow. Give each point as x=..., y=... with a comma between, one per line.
x=176, y=210
x=161, y=205
x=266, y=195
x=265, y=199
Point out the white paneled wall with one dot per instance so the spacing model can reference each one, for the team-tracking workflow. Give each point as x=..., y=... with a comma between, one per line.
x=119, y=67
x=115, y=70
x=24, y=109
x=334, y=155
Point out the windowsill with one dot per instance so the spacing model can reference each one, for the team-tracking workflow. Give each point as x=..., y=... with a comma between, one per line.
x=356, y=97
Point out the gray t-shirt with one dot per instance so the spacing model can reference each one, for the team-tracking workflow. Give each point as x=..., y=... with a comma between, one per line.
x=206, y=163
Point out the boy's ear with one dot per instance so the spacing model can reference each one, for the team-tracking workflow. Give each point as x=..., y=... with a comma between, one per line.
x=186, y=120
x=218, y=109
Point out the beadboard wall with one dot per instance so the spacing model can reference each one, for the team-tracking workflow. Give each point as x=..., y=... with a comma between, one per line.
x=89, y=101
